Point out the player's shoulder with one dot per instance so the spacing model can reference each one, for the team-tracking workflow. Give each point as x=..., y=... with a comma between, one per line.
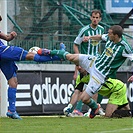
x=124, y=42
x=101, y=27
x=86, y=27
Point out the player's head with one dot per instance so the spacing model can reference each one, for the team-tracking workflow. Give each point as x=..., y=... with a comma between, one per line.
x=115, y=32
x=0, y=18
x=95, y=17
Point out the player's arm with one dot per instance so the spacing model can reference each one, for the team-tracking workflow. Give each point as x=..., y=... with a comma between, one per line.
x=76, y=51
x=95, y=37
x=8, y=37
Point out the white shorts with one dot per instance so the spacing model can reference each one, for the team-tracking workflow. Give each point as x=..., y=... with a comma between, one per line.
x=96, y=78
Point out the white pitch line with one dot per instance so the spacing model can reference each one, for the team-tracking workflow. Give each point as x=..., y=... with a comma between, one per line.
x=118, y=130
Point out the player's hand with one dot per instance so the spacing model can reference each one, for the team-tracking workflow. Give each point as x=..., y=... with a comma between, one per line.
x=130, y=79
x=13, y=34
x=86, y=38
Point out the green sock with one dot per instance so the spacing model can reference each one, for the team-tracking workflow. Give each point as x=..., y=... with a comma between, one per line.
x=79, y=106
x=60, y=53
x=99, y=99
x=92, y=104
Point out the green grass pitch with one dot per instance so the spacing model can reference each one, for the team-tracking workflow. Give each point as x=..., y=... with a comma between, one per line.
x=61, y=124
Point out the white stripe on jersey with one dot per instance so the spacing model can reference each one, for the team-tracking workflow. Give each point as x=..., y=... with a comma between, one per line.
x=126, y=46
x=102, y=59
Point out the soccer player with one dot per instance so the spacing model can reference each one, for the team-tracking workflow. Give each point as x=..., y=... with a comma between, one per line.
x=9, y=54
x=101, y=68
x=90, y=47
x=114, y=89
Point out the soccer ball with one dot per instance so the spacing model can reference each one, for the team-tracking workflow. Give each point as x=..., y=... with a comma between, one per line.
x=34, y=49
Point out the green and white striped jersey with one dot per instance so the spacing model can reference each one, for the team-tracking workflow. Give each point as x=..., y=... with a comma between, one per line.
x=113, y=56
x=92, y=46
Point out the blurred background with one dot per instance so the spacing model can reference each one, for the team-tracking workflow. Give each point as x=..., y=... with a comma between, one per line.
x=46, y=23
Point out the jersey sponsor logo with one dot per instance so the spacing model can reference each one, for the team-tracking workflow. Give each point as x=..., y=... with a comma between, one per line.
x=109, y=52
x=94, y=42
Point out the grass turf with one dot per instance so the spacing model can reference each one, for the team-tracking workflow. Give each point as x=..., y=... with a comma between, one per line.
x=61, y=124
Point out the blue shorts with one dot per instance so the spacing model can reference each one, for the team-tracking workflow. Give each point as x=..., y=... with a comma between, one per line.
x=9, y=54
x=12, y=53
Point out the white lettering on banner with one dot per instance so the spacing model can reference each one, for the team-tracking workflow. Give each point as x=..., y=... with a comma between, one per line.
x=63, y=88
x=37, y=89
x=52, y=94
x=130, y=92
x=49, y=94
x=55, y=90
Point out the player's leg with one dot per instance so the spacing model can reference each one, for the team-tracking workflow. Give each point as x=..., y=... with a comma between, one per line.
x=94, y=97
x=101, y=110
x=79, y=87
x=12, y=89
x=96, y=80
x=14, y=53
x=78, y=109
x=122, y=111
x=117, y=99
x=75, y=97
x=86, y=99
x=110, y=108
x=9, y=69
x=38, y=58
x=61, y=54
x=92, y=88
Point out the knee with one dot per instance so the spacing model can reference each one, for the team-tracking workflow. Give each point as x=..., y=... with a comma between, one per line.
x=108, y=115
x=13, y=82
x=70, y=57
x=30, y=56
x=84, y=100
x=77, y=92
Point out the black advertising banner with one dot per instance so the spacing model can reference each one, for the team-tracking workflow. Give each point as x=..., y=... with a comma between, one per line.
x=48, y=92
x=43, y=92
x=28, y=83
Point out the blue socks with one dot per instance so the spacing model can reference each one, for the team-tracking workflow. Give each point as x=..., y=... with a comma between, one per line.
x=39, y=58
x=12, y=99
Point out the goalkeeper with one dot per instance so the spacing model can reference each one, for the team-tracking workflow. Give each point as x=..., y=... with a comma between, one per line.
x=114, y=89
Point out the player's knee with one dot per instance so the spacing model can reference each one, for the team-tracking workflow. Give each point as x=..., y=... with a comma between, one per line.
x=84, y=100
x=108, y=114
x=13, y=82
x=30, y=56
x=77, y=92
x=70, y=57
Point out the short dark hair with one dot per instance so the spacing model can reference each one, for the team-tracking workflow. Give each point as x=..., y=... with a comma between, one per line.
x=96, y=11
x=117, y=29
